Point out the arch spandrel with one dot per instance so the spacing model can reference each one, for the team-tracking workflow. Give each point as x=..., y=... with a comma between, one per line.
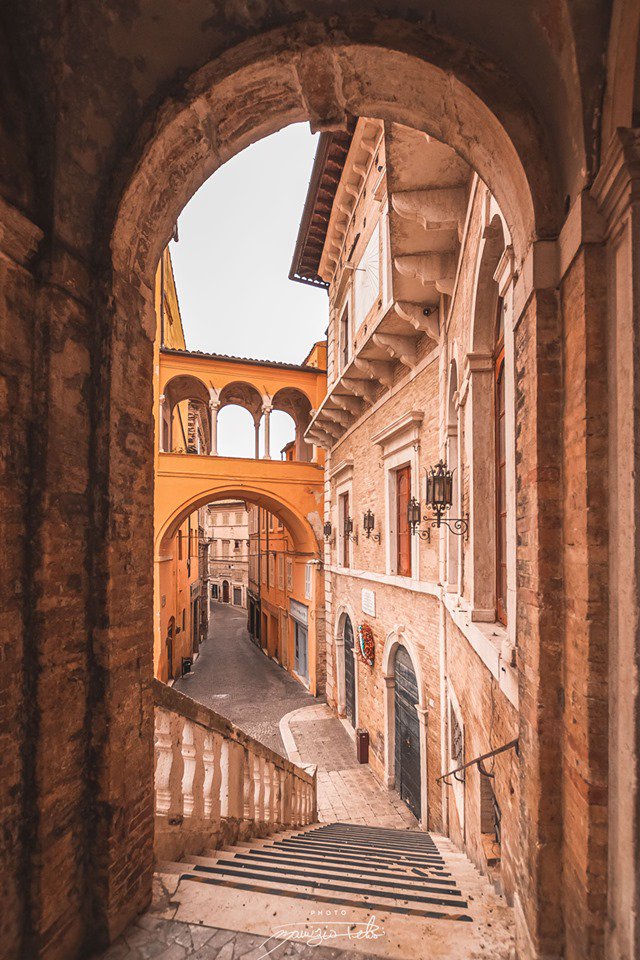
x=251, y=93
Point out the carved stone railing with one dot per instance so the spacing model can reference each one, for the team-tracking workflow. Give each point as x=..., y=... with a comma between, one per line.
x=215, y=785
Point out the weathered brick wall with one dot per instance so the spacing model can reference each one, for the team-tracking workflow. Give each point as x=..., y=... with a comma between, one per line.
x=419, y=616
x=583, y=298
x=489, y=720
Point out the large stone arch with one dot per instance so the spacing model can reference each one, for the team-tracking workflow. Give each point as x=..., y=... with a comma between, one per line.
x=257, y=88
x=244, y=95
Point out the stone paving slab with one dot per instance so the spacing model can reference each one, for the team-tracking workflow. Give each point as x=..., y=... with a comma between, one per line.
x=347, y=790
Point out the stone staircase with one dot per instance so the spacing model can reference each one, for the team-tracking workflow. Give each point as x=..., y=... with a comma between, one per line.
x=374, y=891
x=241, y=855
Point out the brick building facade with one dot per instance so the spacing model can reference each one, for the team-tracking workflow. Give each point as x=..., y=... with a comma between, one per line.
x=418, y=261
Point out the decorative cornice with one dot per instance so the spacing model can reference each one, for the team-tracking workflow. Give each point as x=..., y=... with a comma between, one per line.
x=407, y=427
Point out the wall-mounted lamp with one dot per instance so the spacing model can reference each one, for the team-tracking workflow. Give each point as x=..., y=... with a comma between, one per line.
x=369, y=522
x=414, y=516
x=348, y=530
x=327, y=529
x=439, y=497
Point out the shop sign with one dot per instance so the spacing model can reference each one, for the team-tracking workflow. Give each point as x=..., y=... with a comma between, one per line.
x=299, y=612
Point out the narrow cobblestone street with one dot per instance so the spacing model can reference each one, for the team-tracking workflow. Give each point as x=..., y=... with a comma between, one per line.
x=234, y=678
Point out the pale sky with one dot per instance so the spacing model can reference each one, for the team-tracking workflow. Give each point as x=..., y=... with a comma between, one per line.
x=236, y=241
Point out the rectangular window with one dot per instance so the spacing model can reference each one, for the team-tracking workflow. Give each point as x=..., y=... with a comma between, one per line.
x=308, y=580
x=289, y=574
x=403, y=535
x=271, y=578
x=345, y=339
x=280, y=572
x=214, y=591
x=179, y=544
x=225, y=548
x=237, y=596
x=343, y=512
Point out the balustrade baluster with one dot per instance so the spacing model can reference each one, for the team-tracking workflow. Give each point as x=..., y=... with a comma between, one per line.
x=281, y=815
x=248, y=786
x=225, y=807
x=208, y=759
x=188, y=750
x=164, y=761
x=258, y=788
x=267, y=790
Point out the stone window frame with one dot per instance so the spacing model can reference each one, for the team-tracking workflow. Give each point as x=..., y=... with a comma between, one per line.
x=477, y=393
x=342, y=475
x=400, y=447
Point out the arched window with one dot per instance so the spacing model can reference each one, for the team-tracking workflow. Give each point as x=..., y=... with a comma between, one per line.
x=501, y=471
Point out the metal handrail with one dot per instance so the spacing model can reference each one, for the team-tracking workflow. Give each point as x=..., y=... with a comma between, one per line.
x=513, y=744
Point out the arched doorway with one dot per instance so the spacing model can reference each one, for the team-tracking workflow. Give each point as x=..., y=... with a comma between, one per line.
x=407, y=733
x=225, y=591
x=349, y=672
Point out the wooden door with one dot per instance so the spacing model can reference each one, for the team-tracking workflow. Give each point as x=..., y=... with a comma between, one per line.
x=403, y=494
x=349, y=673
x=407, y=733
x=225, y=591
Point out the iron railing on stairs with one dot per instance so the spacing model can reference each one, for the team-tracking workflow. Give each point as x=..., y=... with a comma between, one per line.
x=479, y=762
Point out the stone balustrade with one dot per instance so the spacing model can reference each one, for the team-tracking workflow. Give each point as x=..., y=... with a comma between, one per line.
x=215, y=785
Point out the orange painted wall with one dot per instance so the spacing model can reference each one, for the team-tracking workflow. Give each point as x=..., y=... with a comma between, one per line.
x=178, y=568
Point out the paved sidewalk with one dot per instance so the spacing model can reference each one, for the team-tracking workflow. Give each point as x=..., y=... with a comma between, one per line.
x=237, y=680
x=347, y=790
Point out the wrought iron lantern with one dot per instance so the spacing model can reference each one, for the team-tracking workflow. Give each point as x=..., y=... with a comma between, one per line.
x=327, y=529
x=369, y=522
x=414, y=516
x=439, y=498
x=348, y=530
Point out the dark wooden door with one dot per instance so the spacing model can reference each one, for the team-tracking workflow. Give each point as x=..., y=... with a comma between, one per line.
x=225, y=591
x=349, y=673
x=407, y=731
x=403, y=493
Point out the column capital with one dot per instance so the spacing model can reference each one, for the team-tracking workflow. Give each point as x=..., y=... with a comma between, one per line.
x=267, y=408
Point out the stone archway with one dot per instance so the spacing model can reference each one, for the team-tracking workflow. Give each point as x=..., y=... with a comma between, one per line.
x=253, y=93
x=339, y=653
x=396, y=640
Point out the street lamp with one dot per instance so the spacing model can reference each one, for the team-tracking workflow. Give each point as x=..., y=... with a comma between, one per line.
x=439, y=498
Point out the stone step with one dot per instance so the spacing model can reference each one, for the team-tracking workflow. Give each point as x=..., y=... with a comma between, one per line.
x=415, y=886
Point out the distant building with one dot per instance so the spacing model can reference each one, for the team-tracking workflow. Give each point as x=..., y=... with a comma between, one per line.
x=281, y=586
x=226, y=534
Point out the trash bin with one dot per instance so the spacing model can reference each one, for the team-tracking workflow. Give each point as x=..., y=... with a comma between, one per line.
x=187, y=663
x=362, y=746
